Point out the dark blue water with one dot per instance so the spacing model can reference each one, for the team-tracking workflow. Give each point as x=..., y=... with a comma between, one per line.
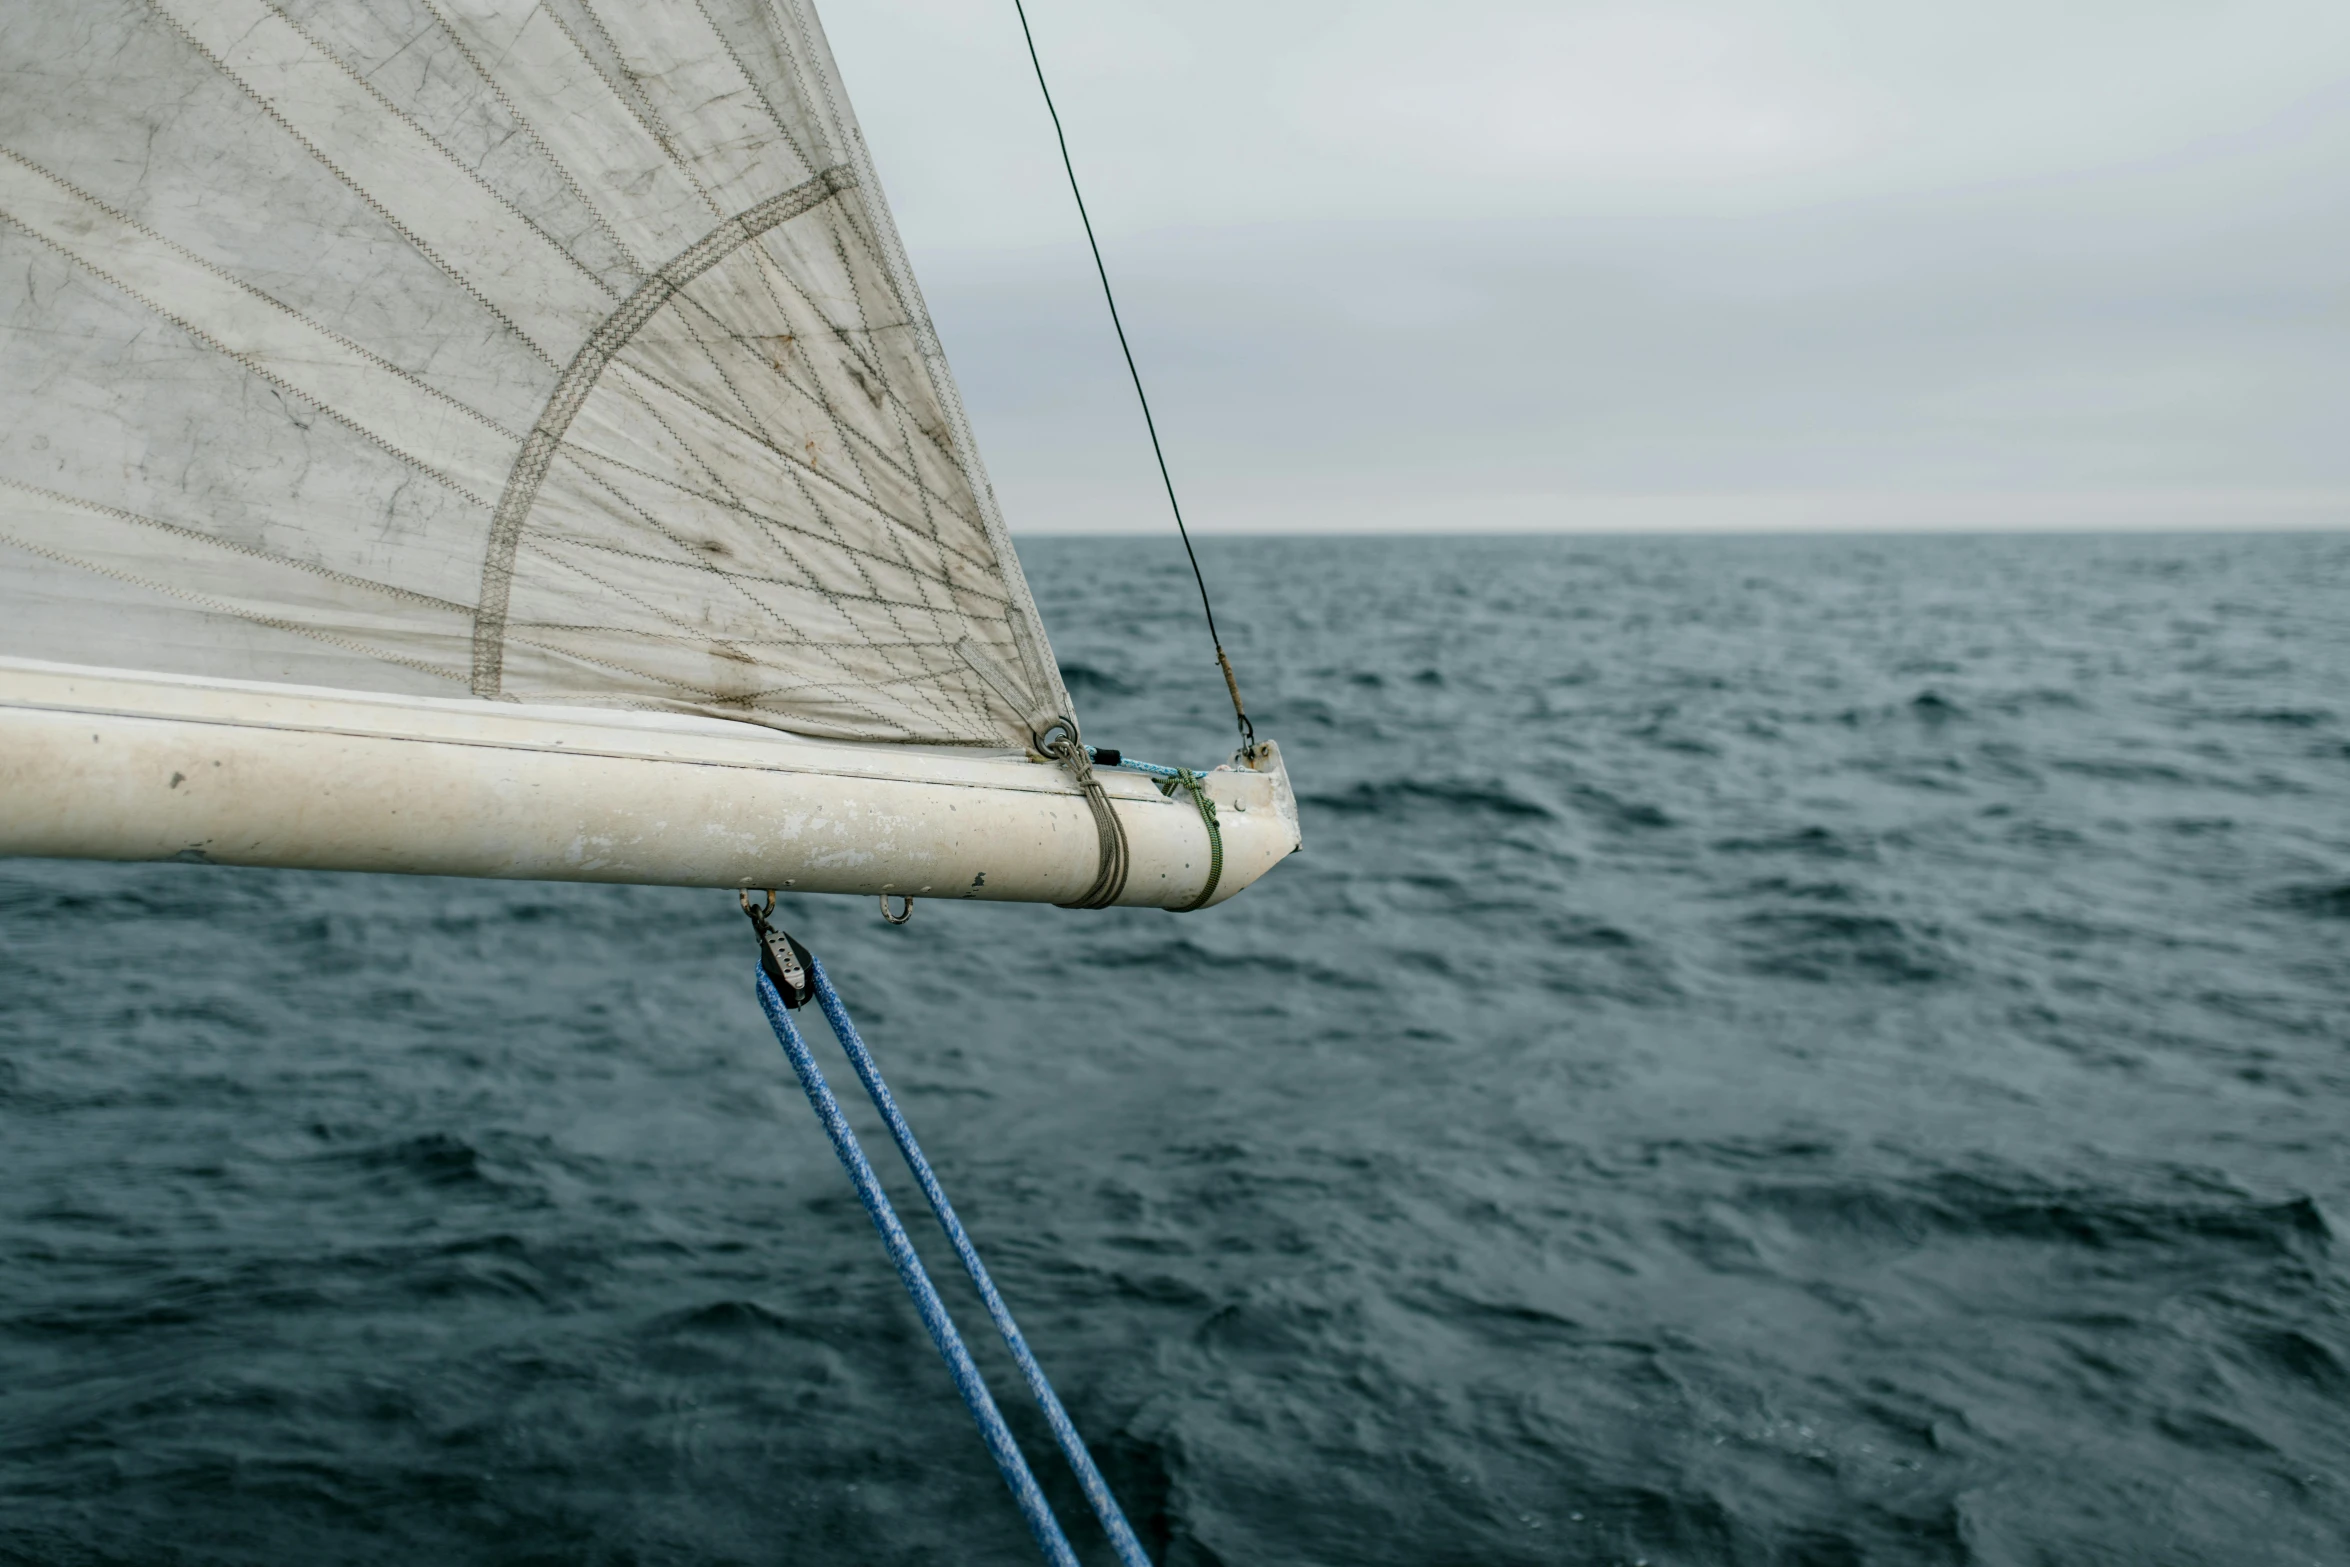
x=1777, y=1051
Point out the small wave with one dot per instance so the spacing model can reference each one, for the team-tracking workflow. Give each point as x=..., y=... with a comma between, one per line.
x=2115, y=770
x=1818, y=843
x=1578, y=930
x=1932, y=707
x=2296, y=1357
x=2011, y=703
x=2199, y=1428
x=722, y=1319
x=436, y=1159
x=1180, y=956
x=1959, y=1204
x=2328, y=900
x=2281, y=717
x=1800, y=891
x=1091, y=681
x=1410, y=796
x=1613, y=810
x=441, y=1161
x=1826, y=948
x=1928, y=707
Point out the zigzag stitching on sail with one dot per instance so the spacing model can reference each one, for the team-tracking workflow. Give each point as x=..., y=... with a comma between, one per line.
x=697, y=153
x=735, y=58
x=648, y=675
x=800, y=464
x=225, y=351
x=562, y=170
x=815, y=62
x=734, y=503
x=415, y=240
x=197, y=535
x=747, y=702
x=855, y=441
x=634, y=100
x=470, y=173
x=849, y=434
x=223, y=607
x=579, y=379
x=854, y=343
x=647, y=114
x=657, y=613
x=202, y=263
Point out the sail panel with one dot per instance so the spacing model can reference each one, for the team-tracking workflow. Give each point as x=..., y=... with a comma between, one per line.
x=558, y=352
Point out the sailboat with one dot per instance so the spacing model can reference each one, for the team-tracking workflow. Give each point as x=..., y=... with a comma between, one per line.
x=504, y=438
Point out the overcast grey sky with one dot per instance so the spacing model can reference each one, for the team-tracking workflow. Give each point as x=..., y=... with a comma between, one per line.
x=1823, y=263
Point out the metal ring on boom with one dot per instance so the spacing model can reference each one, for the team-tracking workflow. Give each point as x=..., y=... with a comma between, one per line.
x=897, y=919
x=745, y=895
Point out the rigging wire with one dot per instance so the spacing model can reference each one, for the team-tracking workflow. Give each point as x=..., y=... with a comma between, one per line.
x=1248, y=733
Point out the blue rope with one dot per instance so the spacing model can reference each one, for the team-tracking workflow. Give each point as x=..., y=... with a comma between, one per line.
x=1097, y=1490
x=992, y=1429
x=1152, y=768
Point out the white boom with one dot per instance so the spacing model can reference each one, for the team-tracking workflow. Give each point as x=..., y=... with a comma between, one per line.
x=115, y=765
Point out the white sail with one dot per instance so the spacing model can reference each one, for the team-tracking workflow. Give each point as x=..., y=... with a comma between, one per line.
x=394, y=394
x=558, y=351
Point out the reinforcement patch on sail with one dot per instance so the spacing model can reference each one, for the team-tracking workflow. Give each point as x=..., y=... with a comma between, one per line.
x=556, y=350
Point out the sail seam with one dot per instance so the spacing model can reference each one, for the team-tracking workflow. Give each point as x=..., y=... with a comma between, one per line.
x=1027, y=625
x=727, y=499
x=757, y=89
x=414, y=239
x=197, y=535
x=256, y=368
x=224, y=607
x=855, y=446
x=562, y=170
x=470, y=173
x=766, y=764
x=731, y=502
x=799, y=464
x=748, y=702
x=580, y=378
x=872, y=366
x=633, y=98
x=660, y=614
x=823, y=400
x=205, y=264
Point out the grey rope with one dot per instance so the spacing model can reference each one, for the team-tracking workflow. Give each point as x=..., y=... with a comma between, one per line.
x=1110, y=876
x=1248, y=733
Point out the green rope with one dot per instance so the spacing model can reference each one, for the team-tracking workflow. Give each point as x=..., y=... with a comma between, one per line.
x=1186, y=779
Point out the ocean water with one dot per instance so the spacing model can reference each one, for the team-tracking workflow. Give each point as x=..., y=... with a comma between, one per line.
x=1777, y=1051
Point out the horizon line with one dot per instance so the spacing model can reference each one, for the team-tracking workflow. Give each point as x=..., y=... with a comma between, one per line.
x=1295, y=508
